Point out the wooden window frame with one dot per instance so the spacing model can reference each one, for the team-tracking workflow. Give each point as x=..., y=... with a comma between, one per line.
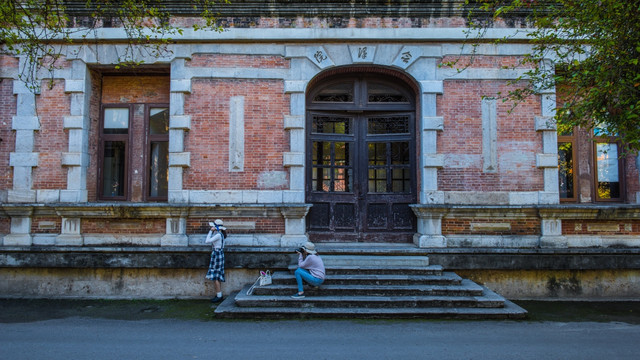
x=114, y=137
x=621, y=173
x=573, y=139
x=149, y=138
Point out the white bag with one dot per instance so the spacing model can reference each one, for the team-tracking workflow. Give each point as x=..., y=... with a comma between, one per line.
x=263, y=280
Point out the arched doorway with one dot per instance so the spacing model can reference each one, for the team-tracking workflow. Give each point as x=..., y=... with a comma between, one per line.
x=361, y=158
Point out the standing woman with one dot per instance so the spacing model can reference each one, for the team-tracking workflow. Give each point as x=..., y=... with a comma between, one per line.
x=217, y=235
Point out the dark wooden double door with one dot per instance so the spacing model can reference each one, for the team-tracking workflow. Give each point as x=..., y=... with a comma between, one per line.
x=361, y=172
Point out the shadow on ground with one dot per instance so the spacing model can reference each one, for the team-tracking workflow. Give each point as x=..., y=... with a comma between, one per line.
x=30, y=310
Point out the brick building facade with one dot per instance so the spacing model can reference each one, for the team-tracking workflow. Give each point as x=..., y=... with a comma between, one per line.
x=304, y=120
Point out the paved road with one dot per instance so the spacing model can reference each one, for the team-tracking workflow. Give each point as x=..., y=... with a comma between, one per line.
x=91, y=338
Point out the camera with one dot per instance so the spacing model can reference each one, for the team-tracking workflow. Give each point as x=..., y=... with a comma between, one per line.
x=300, y=250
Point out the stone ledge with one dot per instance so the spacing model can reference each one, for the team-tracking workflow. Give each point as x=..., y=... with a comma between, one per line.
x=197, y=257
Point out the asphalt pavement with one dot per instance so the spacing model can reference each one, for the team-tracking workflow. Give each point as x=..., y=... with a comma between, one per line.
x=61, y=329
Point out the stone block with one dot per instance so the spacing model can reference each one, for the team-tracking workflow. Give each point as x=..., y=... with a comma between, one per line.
x=21, y=196
x=293, y=159
x=178, y=196
x=432, y=86
x=294, y=226
x=362, y=53
x=181, y=159
x=23, y=159
x=24, y=141
x=430, y=241
x=17, y=240
x=433, y=160
x=547, y=160
x=72, y=159
x=69, y=240
x=551, y=242
x=435, y=123
x=182, y=122
x=47, y=196
x=294, y=86
x=407, y=56
x=477, y=198
x=71, y=86
x=174, y=240
x=249, y=196
x=293, y=241
x=43, y=239
x=290, y=196
x=432, y=197
x=545, y=123
x=270, y=197
x=180, y=86
x=293, y=122
x=548, y=197
x=74, y=196
x=523, y=198
x=25, y=123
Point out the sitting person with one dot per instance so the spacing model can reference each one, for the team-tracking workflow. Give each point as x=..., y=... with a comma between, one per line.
x=310, y=268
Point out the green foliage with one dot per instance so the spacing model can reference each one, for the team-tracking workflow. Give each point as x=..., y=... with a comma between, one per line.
x=587, y=49
x=37, y=29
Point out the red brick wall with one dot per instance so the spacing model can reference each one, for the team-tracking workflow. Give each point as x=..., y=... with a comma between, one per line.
x=518, y=142
x=5, y=225
x=135, y=89
x=245, y=61
x=7, y=111
x=263, y=226
x=462, y=226
x=123, y=226
x=46, y=225
x=632, y=178
x=265, y=105
x=52, y=140
x=600, y=227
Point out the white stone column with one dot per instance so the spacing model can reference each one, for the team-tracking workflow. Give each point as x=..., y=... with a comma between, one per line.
x=179, y=122
x=77, y=123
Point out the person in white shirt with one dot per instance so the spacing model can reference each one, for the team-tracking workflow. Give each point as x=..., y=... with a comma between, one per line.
x=217, y=235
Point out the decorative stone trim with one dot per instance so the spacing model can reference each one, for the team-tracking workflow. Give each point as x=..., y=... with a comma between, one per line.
x=25, y=123
x=293, y=159
x=181, y=159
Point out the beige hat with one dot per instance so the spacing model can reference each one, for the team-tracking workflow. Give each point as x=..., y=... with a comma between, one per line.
x=219, y=223
x=310, y=248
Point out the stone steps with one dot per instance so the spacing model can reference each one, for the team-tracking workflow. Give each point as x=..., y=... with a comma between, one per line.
x=446, y=278
x=373, y=286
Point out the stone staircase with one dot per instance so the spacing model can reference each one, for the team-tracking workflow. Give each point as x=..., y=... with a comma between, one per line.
x=373, y=287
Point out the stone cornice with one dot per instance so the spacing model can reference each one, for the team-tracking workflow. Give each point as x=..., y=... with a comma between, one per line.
x=573, y=211
x=151, y=210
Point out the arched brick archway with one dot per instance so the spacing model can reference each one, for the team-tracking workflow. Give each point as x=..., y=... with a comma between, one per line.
x=361, y=160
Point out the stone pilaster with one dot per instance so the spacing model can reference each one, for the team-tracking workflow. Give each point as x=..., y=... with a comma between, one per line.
x=71, y=234
x=429, y=233
x=176, y=232
x=179, y=122
x=23, y=159
x=77, y=123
